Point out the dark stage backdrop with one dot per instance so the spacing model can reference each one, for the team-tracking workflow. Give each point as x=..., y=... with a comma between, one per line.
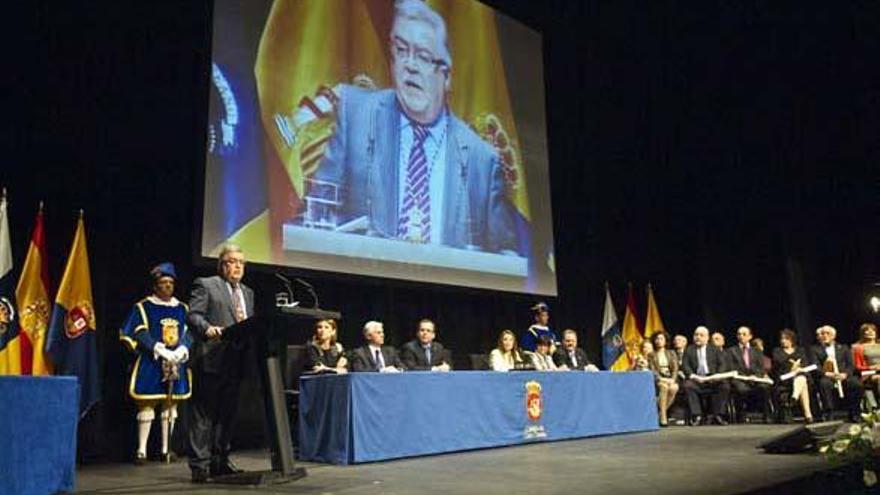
x=727, y=153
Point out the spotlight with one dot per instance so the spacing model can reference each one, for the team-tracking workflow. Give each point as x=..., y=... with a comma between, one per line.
x=875, y=303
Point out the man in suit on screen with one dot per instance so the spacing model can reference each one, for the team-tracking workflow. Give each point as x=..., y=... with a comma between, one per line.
x=424, y=353
x=216, y=303
x=404, y=163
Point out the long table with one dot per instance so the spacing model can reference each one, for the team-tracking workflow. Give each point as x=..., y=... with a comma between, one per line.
x=363, y=417
x=38, y=431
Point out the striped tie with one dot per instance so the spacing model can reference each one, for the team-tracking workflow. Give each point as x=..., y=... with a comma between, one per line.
x=415, y=213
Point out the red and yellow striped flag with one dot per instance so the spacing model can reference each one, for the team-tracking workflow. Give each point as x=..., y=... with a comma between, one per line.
x=32, y=294
x=632, y=336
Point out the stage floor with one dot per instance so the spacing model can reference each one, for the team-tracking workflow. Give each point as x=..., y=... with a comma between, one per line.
x=675, y=460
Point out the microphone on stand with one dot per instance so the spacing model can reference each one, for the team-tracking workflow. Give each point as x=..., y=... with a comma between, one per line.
x=287, y=286
x=309, y=289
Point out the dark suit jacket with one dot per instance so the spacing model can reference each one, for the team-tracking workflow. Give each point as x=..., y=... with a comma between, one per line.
x=361, y=359
x=714, y=360
x=413, y=356
x=210, y=304
x=817, y=355
x=736, y=362
x=561, y=357
x=363, y=159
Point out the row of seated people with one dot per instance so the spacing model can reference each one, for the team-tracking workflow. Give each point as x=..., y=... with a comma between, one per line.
x=325, y=354
x=424, y=353
x=791, y=377
x=699, y=369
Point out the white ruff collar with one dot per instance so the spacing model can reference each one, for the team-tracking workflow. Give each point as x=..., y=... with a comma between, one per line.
x=173, y=303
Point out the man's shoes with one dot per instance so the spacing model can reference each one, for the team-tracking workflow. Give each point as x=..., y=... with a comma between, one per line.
x=717, y=420
x=696, y=420
x=199, y=476
x=224, y=467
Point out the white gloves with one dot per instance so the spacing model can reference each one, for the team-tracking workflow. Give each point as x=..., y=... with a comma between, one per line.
x=160, y=351
x=181, y=354
x=177, y=356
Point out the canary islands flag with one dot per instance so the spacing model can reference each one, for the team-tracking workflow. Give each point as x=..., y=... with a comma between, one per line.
x=71, y=342
x=612, y=345
x=10, y=341
x=632, y=337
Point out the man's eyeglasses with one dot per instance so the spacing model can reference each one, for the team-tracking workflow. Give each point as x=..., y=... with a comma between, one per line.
x=233, y=262
x=421, y=57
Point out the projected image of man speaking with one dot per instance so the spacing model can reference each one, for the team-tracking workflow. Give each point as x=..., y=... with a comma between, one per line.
x=403, y=165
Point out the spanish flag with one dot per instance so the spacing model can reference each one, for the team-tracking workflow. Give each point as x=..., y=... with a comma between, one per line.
x=10, y=336
x=632, y=337
x=32, y=294
x=71, y=342
x=653, y=323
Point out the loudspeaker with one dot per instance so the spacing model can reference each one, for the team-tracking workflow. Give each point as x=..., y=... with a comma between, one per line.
x=801, y=439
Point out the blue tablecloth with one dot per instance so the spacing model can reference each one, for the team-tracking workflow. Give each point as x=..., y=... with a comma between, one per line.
x=362, y=417
x=38, y=418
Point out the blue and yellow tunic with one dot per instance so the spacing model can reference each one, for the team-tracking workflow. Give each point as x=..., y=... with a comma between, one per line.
x=153, y=320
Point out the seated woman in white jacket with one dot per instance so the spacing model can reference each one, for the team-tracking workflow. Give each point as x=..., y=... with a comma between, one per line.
x=506, y=355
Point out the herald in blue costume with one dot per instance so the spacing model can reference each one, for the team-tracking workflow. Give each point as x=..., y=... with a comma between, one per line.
x=156, y=331
x=540, y=328
x=152, y=321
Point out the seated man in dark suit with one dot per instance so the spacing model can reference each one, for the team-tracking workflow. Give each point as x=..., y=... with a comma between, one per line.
x=423, y=353
x=718, y=340
x=570, y=356
x=702, y=360
x=374, y=355
x=748, y=361
x=827, y=354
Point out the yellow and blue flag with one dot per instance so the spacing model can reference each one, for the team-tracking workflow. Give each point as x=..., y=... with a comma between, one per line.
x=10, y=340
x=653, y=323
x=71, y=342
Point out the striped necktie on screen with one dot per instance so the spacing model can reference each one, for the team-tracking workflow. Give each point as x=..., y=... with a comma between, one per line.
x=415, y=213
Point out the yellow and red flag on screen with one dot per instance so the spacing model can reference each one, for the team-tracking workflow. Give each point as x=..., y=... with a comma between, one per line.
x=632, y=336
x=71, y=341
x=10, y=334
x=653, y=323
x=32, y=295
x=309, y=47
